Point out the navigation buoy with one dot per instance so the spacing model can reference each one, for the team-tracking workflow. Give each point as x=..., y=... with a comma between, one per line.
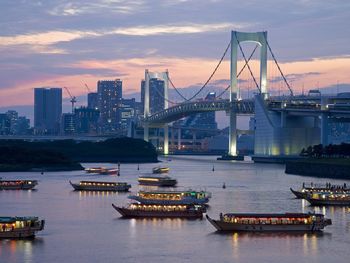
x=224, y=186
x=138, y=167
x=213, y=169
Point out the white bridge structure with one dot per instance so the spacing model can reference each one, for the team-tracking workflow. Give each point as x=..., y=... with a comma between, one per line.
x=283, y=125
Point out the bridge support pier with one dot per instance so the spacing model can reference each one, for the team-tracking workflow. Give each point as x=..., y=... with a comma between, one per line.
x=146, y=132
x=233, y=134
x=166, y=140
x=179, y=139
x=324, y=129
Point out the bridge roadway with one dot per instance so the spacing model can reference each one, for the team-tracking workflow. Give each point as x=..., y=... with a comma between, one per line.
x=307, y=106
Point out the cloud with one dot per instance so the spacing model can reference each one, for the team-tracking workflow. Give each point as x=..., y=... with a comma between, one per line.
x=294, y=77
x=54, y=37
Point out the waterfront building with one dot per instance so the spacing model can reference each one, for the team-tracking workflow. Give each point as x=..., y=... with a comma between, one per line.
x=109, y=104
x=93, y=100
x=156, y=95
x=86, y=120
x=128, y=114
x=4, y=124
x=47, y=110
x=22, y=126
x=68, y=124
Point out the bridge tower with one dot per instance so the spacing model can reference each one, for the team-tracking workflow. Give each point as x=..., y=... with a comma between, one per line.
x=236, y=39
x=163, y=76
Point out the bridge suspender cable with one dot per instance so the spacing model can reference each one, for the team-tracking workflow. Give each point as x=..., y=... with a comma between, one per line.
x=205, y=84
x=274, y=58
x=246, y=63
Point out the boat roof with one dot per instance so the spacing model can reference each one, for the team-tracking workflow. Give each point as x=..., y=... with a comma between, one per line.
x=286, y=215
x=170, y=192
x=18, y=180
x=102, y=182
x=10, y=219
x=156, y=177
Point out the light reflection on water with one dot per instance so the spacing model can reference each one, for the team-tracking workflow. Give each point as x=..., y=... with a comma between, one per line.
x=82, y=226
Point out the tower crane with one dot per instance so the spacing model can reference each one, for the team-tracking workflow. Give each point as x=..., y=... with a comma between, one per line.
x=87, y=87
x=73, y=99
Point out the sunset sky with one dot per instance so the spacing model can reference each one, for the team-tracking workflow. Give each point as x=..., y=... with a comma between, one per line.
x=60, y=43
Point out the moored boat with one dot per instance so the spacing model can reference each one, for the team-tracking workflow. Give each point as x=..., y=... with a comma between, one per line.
x=17, y=184
x=102, y=170
x=135, y=210
x=189, y=197
x=336, y=199
x=160, y=170
x=100, y=186
x=20, y=227
x=157, y=180
x=283, y=222
x=94, y=170
x=322, y=189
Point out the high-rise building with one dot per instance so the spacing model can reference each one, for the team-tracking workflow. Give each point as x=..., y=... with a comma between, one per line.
x=47, y=110
x=13, y=118
x=86, y=120
x=128, y=114
x=4, y=124
x=93, y=100
x=109, y=104
x=156, y=95
x=68, y=124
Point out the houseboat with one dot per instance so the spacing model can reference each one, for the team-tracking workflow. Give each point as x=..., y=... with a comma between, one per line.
x=100, y=186
x=157, y=180
x=337, y=199
x=102, y=170
x=20, y=227
x=322, y=189
x=172, y=197
x=135, y=210
x=299, y=222
x=160, y=170
x=17, y=184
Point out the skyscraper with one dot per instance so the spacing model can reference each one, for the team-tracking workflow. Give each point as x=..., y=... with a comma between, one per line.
x=93, y=100
x=156, y=95
x=86, y=120
x=109, y=104
x=47, y=110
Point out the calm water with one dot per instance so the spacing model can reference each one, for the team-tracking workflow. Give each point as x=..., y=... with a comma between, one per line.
x=83, y=226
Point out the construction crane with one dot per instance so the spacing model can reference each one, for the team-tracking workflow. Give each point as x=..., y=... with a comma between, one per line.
x=87, y=87
x=73, y=99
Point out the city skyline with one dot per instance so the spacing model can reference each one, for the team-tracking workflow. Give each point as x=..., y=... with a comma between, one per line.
x=84, y=42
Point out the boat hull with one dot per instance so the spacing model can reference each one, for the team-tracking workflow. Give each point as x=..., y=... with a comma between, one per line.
x=22, y=186
x=116, y=188
x=159, y=183
x=316, y=202
x=129, y=213
x=298, y=194
x=234, y=227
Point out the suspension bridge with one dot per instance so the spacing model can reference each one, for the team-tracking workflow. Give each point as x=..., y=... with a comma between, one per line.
x=284, y=125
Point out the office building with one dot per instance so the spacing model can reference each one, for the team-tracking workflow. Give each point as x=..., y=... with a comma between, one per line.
x=86, y=120
x=68, y=124
x=47, y=110
x=109, y=104
x=93, y=100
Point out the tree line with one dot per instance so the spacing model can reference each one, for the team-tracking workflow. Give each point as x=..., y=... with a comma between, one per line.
x=331, y=151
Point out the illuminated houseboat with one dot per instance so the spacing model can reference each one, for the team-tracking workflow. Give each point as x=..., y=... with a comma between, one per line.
x=100, y=186
x=322, y=189
x=172, y=197
x=158, y=211
x=338, y=199
x=102, y=170
x=20, y=227
x=17, y=184
x=160, y=170
x=157, y=180
x=270, y=222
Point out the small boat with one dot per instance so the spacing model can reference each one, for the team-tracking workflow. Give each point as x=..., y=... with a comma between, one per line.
x=160, y=170
x=20, y=227
x=337, y=199
x=102, y=170
x=172, y=197
x=135, y=210
x=322, y=189
x=299, y=222
x=157, y=180
x=17, y=184
x=100, y=186
x=94, y=170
